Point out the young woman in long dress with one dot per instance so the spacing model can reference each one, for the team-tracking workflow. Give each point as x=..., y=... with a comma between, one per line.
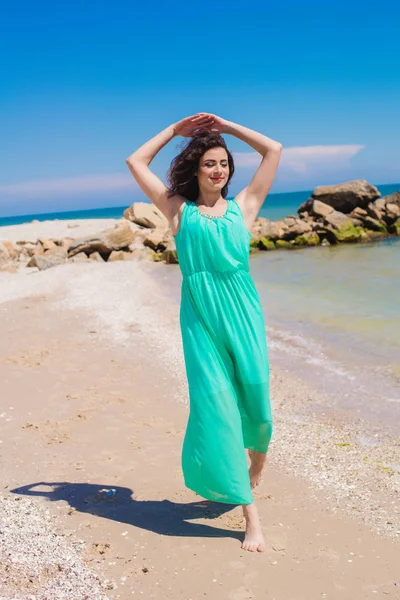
x=221, y=319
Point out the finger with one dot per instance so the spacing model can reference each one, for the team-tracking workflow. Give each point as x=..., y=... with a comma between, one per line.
x=202, y=118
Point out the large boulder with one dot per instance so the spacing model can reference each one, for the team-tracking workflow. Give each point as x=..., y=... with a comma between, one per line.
x=103, y=242
x=146, y=215
x=343, y=197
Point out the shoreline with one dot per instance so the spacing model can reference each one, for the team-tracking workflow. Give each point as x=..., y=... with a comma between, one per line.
x=87, y=410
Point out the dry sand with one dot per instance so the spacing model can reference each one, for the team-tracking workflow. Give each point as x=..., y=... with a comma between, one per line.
x=94, y=397
x=30, y=232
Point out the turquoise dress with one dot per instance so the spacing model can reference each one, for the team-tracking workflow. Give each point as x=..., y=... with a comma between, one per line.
x=226, y=356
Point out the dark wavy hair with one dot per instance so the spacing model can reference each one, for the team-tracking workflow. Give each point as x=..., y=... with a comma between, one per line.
x=181, y=176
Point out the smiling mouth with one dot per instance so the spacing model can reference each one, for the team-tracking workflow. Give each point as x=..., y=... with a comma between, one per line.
x=217, y=178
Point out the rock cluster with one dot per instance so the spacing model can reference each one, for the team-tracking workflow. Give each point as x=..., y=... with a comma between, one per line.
x=348, y=212
x=148, y=237
x=343, y=213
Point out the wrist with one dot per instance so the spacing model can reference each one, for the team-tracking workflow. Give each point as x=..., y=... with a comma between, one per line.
x=228, y=127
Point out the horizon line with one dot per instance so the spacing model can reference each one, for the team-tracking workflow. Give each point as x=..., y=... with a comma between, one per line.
x=147, y=201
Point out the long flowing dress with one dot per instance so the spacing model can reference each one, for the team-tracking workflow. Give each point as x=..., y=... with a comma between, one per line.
x=226, y=357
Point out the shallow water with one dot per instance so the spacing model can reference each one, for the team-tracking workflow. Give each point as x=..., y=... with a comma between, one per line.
x=333, y=313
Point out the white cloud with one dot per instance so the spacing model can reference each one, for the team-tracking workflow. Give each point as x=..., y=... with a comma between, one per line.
x=246, y=159
x=68, y=186
x=303, y=159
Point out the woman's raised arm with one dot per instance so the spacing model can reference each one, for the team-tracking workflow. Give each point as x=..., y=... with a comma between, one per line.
x=251, y=197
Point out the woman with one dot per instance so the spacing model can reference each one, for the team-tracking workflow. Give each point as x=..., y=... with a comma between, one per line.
x=221, y=318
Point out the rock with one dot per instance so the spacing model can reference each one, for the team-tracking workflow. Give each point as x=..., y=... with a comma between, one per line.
x=170, y=255
x=81, y=257
x=358, y=213
x=29, y=248
x=344, y=197
x=347, y=233
x=96, y=257
x=119, y=255
x=145, y=253
x=13, y=249
x=380, y=203
x=307, y=239
x=5, y=257
x=392, y=213
x=51, y=258
x=320, y=209
x=374, y=212
x=265, y=244
x=395, y=227
x=293, y=227
x=146, y=215
x=46, y=243
x=392, y=198
x=283, y=244
x=65, y=242
x=341, y=228
x=265, y=228
x=357, y=222
x=374, y=225
x=158, y=239
x=338, y=220
x=104, y=242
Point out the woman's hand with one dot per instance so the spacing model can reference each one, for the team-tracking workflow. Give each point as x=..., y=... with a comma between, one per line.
x=189, y=126
x=199, y=122
x=217, y=123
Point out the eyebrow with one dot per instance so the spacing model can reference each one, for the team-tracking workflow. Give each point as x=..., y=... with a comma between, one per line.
x=213, y=159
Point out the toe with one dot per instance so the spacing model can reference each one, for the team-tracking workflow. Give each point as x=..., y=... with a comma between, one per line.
x=261, y=548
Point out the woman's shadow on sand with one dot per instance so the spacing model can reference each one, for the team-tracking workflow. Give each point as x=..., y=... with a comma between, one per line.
x=160, y=516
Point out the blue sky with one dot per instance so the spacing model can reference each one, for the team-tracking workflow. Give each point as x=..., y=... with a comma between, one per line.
x=84, y=84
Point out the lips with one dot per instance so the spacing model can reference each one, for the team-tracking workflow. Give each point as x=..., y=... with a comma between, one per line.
x=217, y=178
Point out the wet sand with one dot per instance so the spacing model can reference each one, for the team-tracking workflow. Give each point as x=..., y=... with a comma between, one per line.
x=93, y=397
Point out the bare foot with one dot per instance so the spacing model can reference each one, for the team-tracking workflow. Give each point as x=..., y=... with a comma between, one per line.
x=257, y=464
x=253, y=539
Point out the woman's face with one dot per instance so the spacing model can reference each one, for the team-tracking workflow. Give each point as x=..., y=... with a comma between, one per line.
x=213, y=169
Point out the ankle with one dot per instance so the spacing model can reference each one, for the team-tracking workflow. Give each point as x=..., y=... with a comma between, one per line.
x=250, y=511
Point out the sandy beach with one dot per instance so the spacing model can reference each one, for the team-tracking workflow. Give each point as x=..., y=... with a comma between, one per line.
x=93, y=411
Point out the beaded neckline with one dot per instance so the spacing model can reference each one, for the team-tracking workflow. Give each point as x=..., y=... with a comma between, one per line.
x=209, y=216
